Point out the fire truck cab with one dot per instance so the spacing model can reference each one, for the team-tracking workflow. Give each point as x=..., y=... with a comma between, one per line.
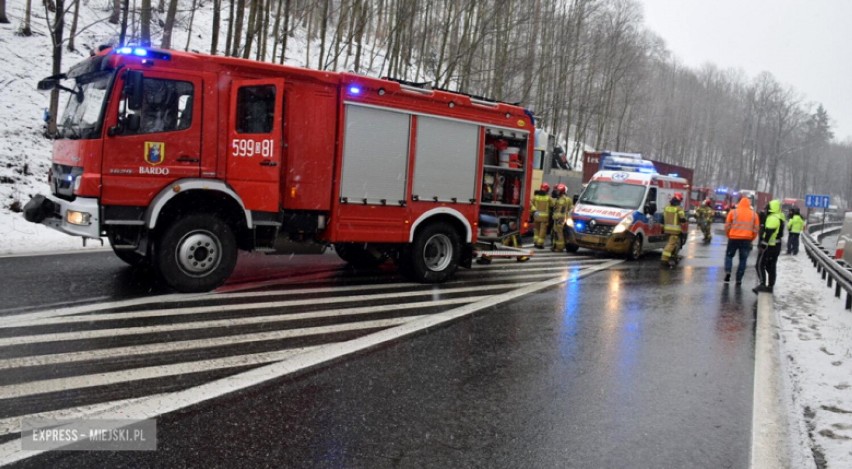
x=182, y=159
x=620, y=209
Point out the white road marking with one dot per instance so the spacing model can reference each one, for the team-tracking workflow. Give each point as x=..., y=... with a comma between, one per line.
x=179, y=346
x=136, y=374
x=13, y=424
x=266, y=305
x=159, y=405
x=225, y=323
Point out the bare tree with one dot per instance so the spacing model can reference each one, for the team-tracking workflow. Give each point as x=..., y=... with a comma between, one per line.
x=3, y=18
x=169, y=25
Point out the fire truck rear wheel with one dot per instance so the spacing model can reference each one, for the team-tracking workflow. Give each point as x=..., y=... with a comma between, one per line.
x=196, y=254
x=434, y=255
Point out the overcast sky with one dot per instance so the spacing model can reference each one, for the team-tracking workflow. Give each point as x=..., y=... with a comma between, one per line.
x=806, y=44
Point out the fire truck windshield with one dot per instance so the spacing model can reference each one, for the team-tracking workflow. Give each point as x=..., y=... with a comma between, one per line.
x=84, y=112
x=613, y=194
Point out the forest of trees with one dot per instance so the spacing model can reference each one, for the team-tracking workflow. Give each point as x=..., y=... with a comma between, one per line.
x=589, y=69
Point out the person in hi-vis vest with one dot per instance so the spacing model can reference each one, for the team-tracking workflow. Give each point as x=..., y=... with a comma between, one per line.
x=542, y=203
x=673, y=216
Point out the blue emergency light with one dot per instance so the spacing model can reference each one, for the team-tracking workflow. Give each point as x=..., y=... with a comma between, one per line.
x=354, y=90
x=143, y=52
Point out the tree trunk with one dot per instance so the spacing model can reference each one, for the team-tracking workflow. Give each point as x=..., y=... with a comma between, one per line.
x=115, y=14
x=57, y=31
x=217, y=20
x=238, y=28
x=252, y=27
x=286, y=30
x=170, y=24
x=191, y=21
x=26, y=28
x=3, y=18
x=145, y=23
x=74, y=22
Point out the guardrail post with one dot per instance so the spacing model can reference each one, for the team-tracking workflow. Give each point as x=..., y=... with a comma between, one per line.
x=848, y=300
x=830, y=278
x=837, y=290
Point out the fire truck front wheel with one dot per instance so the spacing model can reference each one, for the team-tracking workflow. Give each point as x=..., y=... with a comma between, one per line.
x=196, y=254
x=435, y=253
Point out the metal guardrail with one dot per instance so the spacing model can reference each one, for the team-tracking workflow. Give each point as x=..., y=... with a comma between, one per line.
x=836, y=273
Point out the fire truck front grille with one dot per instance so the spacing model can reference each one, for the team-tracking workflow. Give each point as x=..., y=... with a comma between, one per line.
x=62, y=180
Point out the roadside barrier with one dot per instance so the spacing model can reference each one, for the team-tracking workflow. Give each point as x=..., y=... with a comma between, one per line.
x=836, y=272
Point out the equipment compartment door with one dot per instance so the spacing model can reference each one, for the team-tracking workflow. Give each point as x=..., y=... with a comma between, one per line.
x=255, y=142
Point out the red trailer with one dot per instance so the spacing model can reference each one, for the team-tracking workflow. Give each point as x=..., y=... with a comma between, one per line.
x=181, y=159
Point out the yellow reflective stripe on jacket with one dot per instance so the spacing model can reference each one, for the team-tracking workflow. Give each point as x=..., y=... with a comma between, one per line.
x=671, y=219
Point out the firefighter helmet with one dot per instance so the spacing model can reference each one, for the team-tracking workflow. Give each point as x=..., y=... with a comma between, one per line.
x=561, y=189
x=545, y=186
x=678, y=196
x=708, y=202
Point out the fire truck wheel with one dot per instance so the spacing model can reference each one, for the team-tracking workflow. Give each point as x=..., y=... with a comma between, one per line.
x=196, y=254
x=635, y=248
x=359, y=255
x=434, y=255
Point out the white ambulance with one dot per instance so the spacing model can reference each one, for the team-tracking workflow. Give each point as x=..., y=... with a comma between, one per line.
x=621, y=208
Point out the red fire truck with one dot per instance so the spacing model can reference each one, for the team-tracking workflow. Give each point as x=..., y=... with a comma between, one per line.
x=183, y=159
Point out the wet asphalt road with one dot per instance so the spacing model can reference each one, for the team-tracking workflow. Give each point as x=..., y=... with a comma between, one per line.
x=630, y=367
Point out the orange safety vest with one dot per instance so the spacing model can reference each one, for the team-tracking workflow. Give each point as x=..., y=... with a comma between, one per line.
x=742, y=224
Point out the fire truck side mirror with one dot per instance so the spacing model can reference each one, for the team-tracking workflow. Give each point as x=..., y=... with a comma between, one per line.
x=133, y=89
x=133, y=122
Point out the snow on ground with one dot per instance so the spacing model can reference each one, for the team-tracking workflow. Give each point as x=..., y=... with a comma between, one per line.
x=816, y=348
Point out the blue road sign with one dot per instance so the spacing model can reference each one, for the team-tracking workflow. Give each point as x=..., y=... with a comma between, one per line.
x=817, y=201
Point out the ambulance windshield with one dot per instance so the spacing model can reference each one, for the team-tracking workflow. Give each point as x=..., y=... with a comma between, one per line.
x=82, y=116
x=613, y=194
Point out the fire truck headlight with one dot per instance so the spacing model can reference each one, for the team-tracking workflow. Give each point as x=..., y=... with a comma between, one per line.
x=78, y=218
x=623, y=225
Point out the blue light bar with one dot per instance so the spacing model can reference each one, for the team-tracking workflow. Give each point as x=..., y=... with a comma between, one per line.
x=142, y=52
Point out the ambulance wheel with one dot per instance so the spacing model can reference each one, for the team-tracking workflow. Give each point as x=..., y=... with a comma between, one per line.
x=635, y=248
x=571, y=247
x=359, y=255
x=434, y=255
x=196, y=254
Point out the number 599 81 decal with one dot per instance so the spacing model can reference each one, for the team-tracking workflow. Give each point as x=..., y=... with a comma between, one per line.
x=247, y=148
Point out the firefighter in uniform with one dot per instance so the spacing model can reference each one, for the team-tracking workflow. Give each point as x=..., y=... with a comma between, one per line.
x=673, y=216
x=705, y=214
x=541, y=205
x=562, y=207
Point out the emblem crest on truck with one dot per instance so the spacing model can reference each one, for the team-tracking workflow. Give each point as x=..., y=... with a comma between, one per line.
x=155, y=153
